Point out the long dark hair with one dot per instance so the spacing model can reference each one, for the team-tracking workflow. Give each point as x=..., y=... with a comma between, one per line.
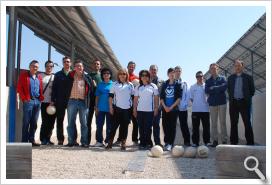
x=140, y=75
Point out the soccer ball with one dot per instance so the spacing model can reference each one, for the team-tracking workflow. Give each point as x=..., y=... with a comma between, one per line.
x=156, y=151
x=51, y=110
x=135, y=82
x=202, y=151
x=177, y=151
x=190, y=152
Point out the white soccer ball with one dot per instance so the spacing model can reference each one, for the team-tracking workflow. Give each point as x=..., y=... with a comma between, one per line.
x=190, y=152
x=51, y=110
x=156, y=151
x=202, y=151
x=135, y=82
x=177, y=151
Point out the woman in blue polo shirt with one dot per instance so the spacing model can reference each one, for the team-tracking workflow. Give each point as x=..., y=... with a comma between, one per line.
x=102, y=110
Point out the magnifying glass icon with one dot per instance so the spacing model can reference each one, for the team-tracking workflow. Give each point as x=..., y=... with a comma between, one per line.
x=255, y=168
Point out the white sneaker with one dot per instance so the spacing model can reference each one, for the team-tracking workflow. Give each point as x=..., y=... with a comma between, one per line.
x=98, y=144
x=168, y=148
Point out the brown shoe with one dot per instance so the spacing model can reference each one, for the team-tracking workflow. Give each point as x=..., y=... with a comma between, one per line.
x=109, y=145
x=123, y=145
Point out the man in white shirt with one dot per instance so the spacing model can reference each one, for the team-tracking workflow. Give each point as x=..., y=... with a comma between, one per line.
x=48, y=121
x=200, y=111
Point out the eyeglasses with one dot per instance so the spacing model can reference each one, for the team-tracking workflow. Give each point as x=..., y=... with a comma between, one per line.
x=199, y=76
x=66, y=61
x=144, y=75
x=50, y=66
x=106, y=73
x=124, y=74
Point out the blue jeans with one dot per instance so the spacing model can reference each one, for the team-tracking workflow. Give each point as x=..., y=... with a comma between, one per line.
x=75, y=106
x=156, y=128
x=31, y=110
x=99, y=126
x=145, y=120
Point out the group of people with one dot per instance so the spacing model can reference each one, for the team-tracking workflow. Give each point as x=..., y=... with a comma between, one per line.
x=142, y=100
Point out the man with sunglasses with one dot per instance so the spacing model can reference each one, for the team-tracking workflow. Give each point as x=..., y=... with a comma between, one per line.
x=48, y=121
x=29, y=88
x=60, y=97
x=200, y=111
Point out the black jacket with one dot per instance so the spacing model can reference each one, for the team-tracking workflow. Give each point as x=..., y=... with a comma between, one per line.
x=60, y=89
x=248, y=86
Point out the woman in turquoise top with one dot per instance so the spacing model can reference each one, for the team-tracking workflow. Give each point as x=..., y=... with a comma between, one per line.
x=102, y=107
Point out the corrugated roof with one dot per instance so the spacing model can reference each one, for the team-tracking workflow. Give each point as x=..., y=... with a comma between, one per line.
x=251, y=48
x=60, y=26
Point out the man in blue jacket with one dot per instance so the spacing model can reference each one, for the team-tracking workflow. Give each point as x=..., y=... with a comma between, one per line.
x=215, y=88
x=241, y=89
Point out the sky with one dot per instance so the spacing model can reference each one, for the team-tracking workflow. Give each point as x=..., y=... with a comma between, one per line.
x=191, y=37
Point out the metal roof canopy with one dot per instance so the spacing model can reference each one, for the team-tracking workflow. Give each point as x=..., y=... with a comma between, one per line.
x=69, y=27
x=251, y=48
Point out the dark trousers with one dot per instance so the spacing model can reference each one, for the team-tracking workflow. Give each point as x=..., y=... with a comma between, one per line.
x=204, y=117
x=242, y=107
x=121, y=117
x=156, y=129
x=99, y=126
x=183, y=121
x=135, y=129
x=48, y=122
x=169, y=121
x=60, y=113
x=89, y=123
x=31, y=110
x=145, y=120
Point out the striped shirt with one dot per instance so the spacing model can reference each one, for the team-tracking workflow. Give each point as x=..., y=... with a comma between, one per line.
x=78, y=89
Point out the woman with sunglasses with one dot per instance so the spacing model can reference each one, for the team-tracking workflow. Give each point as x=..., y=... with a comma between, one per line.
x=145, y=107
x=170, y=99
x=120, y=103
x=102, y=109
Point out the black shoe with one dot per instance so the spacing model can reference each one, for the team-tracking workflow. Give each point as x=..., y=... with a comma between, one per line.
x=50, y=143
x=84, y=146
x=214, y=144
x=76, y=144
x=44, y=142
x=69, y=145
x=35, y=144
x=159, y=144
x=60, y=143
x=141, y=147
x=224, y=142
x=187, y=144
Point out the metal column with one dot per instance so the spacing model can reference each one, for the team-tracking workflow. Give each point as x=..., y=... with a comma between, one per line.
x=11, y=72
x=49, y=52
x=19, y=46
x=252, y=73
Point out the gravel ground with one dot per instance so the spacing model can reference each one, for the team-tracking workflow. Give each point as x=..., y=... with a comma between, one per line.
x=58, y=162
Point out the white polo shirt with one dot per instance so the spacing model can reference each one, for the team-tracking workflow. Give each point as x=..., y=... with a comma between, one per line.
x=146, y=95
x=122, y=94
x=199, y=98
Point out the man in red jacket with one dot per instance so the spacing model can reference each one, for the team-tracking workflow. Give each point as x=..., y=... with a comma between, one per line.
x=29, y=88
